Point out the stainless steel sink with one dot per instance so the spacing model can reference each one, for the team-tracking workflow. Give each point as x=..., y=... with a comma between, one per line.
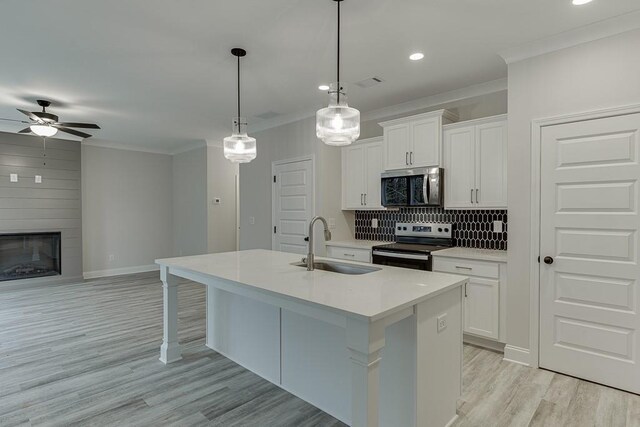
x=339, y=267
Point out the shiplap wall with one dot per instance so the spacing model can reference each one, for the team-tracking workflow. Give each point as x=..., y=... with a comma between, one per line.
x=53, y=205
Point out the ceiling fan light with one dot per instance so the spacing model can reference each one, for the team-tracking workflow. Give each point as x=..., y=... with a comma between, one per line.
x=338, y=124
x=43, y=130
x=239, y=147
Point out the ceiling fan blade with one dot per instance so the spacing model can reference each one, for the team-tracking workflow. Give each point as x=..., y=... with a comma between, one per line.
x=72, y=132
x=14, y=120
x=25, y=130
x=79, y=125
x=31, y=115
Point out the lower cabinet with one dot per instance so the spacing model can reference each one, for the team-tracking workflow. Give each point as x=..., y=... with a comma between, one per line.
x=485, y=295
x=350, y=254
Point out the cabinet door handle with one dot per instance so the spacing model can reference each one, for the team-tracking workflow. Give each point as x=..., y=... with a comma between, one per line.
x=406, y=157
x=411, y=158
x=361, y=199
x=464, y=268
x=471, y=195
x=365, y=199
x=477, y=196
x=465, y=290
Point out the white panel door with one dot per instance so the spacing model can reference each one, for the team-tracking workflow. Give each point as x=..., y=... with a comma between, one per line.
x=353, y=175
x=459, y=165
x=426, y=143
x=589, y=223
x=292, y=205
x=482, y=308
x=397, y=146
x=373, y=170
x=491, y=165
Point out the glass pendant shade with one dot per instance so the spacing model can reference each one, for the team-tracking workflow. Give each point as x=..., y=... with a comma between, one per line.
x=43, y=130
x=239, y=147
x=338, y=124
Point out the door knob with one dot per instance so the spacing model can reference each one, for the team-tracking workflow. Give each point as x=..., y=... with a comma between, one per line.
x=306, y=239
x=548, y=260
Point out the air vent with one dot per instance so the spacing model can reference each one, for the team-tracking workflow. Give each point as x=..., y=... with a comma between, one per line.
x=371, y=81
x=268, y=115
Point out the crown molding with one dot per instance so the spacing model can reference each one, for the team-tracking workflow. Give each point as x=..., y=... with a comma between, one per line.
x=472, y=91
x=282, y=120
x=188, y=147
x=126, y=147
x=588, y=33
x=214, y=143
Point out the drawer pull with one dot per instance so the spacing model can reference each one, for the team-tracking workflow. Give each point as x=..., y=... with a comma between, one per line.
x=464, y=268
x=349, y=254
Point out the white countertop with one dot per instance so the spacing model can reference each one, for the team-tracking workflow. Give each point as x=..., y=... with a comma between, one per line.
x=357, y=244
x=373, y=295
x=472, y=253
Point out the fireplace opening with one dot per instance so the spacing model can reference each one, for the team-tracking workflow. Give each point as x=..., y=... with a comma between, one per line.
x=28, y=255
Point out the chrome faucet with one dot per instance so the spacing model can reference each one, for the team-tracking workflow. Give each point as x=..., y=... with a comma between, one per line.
x=309, y=260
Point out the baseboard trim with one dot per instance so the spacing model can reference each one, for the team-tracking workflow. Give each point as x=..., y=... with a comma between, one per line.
x=483, y=342
x=39, y=281
x=518, y=355
x=120, y=271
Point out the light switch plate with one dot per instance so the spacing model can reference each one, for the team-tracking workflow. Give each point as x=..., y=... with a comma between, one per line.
x=497, y=226
x=13, y=177
x=252, y=220
x=332, y=223
x=374, y=223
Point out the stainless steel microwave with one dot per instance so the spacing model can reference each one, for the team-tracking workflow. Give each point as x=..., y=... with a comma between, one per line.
x=413, y=187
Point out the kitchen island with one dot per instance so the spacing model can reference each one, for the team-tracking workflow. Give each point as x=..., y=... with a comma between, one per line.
x=379, y=348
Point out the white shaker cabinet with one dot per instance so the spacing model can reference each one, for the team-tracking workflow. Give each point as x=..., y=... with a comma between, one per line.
x=475, y=163
x=415, y=141
x=361, y=170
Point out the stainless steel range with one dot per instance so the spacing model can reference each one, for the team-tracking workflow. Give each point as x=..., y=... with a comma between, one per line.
x=413, y=246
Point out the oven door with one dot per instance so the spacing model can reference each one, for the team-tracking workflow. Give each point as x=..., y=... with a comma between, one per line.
x=402, y=259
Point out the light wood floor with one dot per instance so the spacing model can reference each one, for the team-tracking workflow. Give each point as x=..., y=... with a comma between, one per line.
x=87, y=354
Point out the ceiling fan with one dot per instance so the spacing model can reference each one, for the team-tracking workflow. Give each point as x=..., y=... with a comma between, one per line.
x=46, y=124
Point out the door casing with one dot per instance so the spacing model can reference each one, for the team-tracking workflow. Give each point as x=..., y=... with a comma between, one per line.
x=536, y=146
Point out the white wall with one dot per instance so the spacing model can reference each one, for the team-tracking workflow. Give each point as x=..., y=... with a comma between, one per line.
x=596, y=75
x=127, y=208
x=221, y=178
x=190, y=202
x=286, y=142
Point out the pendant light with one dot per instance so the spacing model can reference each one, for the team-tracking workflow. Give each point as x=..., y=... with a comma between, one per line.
x=239, y=147
x=338, y=124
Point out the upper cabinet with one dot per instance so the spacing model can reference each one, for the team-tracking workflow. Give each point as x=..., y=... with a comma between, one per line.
x=361, y=170
x=415, y=141
x=475, y=163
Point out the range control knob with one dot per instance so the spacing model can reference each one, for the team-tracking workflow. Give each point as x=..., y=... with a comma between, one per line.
x=399, y=228
x=446, y=230
x=439, y=230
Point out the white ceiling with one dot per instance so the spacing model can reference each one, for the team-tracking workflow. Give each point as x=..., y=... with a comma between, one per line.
x=159, y=75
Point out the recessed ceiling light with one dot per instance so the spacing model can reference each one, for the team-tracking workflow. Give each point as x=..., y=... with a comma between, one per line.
x=416, y=56
x=323, y=87
x=580, y=2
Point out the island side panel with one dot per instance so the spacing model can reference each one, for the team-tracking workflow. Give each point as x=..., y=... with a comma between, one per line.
x=438, y=359
x=246, y=331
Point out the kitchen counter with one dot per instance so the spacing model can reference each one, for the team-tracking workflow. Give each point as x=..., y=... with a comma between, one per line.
x=363, y=348
x=357, y=244
x=372, y=295
x=472, y=253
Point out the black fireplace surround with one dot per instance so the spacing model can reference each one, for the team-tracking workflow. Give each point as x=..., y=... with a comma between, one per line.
x=29, y=255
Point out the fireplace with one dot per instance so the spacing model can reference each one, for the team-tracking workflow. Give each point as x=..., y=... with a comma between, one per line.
x=29, y=255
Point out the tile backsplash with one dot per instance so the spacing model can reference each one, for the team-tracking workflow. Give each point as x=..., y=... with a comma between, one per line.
x=471, y=228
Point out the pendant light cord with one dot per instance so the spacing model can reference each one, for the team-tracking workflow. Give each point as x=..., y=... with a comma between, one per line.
x=239, y=125
x=338, y=61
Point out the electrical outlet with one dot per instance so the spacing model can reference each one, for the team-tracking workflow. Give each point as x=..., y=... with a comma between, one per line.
x=13, y=177
x=497, y=226
x=252, y=220
x=374, y=223
x=111, y=257
x=38, y=179
x=442, y=322
x=332, y=223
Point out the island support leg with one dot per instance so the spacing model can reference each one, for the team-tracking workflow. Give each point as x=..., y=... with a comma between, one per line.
x=365, y=341
x=170, y=350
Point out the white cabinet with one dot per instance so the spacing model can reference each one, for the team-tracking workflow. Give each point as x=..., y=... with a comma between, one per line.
x=485, y=295
x=415, y=141
x=475, y=163
x=361, y=170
